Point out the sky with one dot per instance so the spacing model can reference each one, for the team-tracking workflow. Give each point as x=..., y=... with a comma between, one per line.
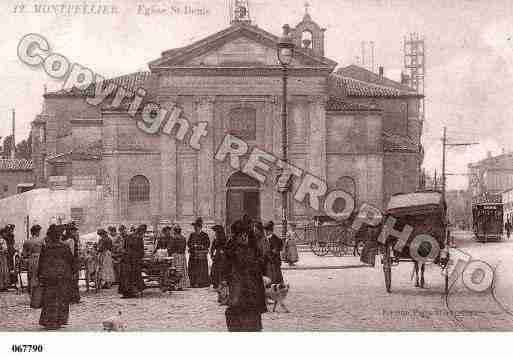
x=469, y=55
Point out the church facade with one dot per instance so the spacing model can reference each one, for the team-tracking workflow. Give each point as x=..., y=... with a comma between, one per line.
x=343, y=128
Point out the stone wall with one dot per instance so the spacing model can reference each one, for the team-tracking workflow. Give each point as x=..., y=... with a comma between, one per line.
x=10, y=179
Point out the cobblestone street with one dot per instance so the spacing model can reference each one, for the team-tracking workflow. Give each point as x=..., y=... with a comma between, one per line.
x=353, y=298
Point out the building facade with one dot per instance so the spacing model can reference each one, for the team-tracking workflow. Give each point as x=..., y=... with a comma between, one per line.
x=16, y=176
x=493, y=175
x=343, y=131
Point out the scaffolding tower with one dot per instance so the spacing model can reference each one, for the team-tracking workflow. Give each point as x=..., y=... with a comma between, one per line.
x=414, y=62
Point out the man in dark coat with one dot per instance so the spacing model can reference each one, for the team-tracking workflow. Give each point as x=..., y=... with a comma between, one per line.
x=131, y=282
x=276, y=245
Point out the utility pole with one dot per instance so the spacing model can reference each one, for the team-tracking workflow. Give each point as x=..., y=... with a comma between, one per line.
x=13, y=152
x=444, y=145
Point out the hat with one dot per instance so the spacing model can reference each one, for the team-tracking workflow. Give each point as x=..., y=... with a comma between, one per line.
x=198, y=222
x=269, y=226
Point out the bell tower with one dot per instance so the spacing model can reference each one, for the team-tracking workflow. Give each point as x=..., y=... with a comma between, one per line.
x=308, y=35
x=239, y=12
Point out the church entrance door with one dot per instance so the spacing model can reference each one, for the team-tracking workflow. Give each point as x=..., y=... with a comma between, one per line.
x=242, y=197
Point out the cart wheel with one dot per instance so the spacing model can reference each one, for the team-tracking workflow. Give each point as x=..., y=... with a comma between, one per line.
x=319, y=248
x=387, y=268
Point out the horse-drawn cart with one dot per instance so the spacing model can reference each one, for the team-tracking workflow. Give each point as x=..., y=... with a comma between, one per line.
x=424, y=213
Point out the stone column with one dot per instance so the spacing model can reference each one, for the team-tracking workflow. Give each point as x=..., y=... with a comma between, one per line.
x=317, y=147
x=168, y=161
x=206, y=192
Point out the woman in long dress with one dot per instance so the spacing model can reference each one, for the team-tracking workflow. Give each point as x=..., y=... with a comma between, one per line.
x=244, y=275
x=107, y=276
x=31, y=252
x=198, y=244
x=176, y=249
x=56, y=263
x=4, y=268
x=70, y=237
x=131, y=282
x=217, y=255
x=290, y=254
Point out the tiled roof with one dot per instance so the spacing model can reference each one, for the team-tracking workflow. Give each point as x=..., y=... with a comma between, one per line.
x=15, y=165
x=393, y=142
x=338, y=104
x=362, y=74
x=130, y=82
x=347, y=86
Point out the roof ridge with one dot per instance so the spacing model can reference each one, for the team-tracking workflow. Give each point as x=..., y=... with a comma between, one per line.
x=119, y=80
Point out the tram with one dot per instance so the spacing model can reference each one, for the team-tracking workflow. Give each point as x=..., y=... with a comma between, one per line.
x=487, y=219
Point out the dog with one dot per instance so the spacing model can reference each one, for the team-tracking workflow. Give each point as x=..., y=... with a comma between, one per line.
x=114, y=324
x=276, y=293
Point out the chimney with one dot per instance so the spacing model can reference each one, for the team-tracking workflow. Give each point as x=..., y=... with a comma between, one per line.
x=381, y=71
x=489, y=154
x=286, y=29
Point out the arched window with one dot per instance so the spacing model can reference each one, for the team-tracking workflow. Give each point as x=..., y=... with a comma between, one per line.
x=139, y=189
x=243, y=123
x=307, y=40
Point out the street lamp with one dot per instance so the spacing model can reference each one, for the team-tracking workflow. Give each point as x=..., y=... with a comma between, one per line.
x=285, y=55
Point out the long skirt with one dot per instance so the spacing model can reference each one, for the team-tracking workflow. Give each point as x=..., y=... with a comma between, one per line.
x=55, y=304
x=198, y=271
x=106, y=268
x=130, y=280
x=218, y=264
x=4, y=272
x=75, y=290
x=181, y=269
x=290, y=253
x=32, y=268
x=249, y=321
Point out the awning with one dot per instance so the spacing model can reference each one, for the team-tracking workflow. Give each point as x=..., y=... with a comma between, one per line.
x=25, y=185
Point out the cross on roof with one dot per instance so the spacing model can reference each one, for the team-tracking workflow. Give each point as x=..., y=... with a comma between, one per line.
x=307, y=6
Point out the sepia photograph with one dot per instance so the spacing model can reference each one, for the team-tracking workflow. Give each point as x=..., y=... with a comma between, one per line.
x=255, y=166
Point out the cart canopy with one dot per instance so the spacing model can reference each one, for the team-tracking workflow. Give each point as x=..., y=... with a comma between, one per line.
x=415, y=203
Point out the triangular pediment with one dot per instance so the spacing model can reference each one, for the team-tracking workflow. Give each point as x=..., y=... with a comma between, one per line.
x=239, y=45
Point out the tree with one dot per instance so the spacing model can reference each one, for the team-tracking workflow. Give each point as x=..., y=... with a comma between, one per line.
x=7, y=147
x=24, y=149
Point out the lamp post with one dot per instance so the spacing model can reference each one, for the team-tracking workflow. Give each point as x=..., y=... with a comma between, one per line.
x=285, y=55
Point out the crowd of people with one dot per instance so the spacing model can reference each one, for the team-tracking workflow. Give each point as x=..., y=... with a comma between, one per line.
x=239, y=264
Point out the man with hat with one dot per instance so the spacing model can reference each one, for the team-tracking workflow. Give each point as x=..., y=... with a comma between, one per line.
x=276, y=245
x=199, y=245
